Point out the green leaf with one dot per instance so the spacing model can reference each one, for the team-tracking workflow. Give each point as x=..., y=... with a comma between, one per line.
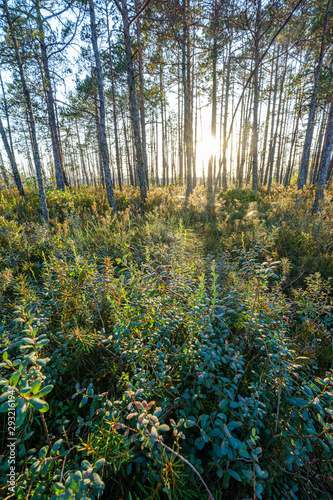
x=259, y=490
x=58, y=488
x=21, y=411
x=57, y=445
x=99, y=463
x=189, y=423
x=42, y=362
x=4, y=396
x=43, y=452
x=35, y=386
x=234, y=474
x=42, y=342
x=233, y=425
x=27, y=340
x=233, y=442
x=83, y=401
x=4, y=407
x=260, y=473
x=153, y=433
x=85, y=464
x=25, y=390
x=44, y=391
x=15, y=378
x=5, y=356
x=39, y=404
x=163, y=427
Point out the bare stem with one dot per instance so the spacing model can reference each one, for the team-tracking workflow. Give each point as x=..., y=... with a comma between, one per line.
x=210, y=496
x=47, y=435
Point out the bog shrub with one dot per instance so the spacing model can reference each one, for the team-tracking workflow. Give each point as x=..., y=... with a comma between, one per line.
x=144, y=366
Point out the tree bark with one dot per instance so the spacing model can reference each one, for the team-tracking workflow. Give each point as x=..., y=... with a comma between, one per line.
x=324, y=161
x=3, y=171
x=133, y=105
x=12, y=161
x=30, y=113
x=132, y=180
x=212, y=157
x=180, y=131
x=186, y=73
x=7, y=115
x=102, y=128
x=303, y=172
x=254, y=139
x=225, y=121
x=141, y=95
x=293, y=145
x=114, y=107
x=274, y=132
x=81, y=153
x=314, y=170
x=58, y=166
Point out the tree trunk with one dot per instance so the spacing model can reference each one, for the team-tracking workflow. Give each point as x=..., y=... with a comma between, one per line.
x=81, y=153
x=3, y=171
x=156, y=151
x=7, y=115
x=180, y=129
x=114, y=107
x=254, y=139
x=303, y=172
x=58, y=166
x=245, y=134
x=11, y=158
x=313, y=176
x=212, y=156
x=27, y=97
x=186, y=73
x=99, y=162
x=292, y=146
x=132, y=181
x=163, y=124
x=141, y=97
x=282, y=141
x=133, y=106
x=102, y=129
x=224, y=154
x=195, y=135
x=274, y=133
x=324, y=161
x=264, y=148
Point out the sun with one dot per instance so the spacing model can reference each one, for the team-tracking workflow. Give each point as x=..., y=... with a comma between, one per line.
x=206, y=147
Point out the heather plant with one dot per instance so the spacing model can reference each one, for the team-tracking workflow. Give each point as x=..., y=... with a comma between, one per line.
x=175, y=355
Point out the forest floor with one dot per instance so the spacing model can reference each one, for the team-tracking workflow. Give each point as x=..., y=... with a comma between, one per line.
x=185, y=354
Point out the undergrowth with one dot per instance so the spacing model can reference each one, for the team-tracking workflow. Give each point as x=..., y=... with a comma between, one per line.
x=183, y=355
